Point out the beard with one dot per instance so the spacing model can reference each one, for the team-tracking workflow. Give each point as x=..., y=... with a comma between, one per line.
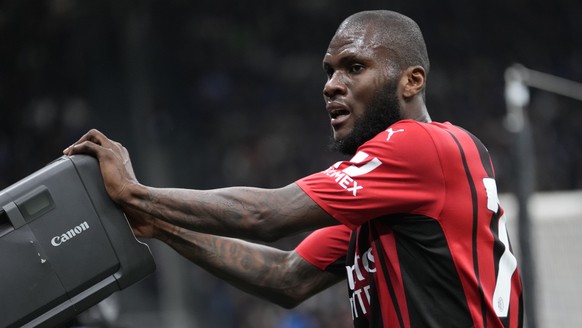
x=383, y=111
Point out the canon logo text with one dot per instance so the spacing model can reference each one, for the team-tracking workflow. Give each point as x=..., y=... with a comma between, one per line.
x=58, y=240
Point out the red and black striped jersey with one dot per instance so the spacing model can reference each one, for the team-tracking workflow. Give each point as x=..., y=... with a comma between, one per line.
x=429, y=246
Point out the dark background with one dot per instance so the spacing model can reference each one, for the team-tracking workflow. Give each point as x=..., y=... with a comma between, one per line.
x=230, y=92
x=206, y=94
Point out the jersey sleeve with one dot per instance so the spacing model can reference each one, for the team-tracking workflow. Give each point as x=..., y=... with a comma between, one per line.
x=326, y=248
x=397, y=171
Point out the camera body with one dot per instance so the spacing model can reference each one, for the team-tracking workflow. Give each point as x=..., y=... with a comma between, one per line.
x=64, y=245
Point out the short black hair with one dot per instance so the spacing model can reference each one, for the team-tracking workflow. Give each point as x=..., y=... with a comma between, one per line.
x=398, y=33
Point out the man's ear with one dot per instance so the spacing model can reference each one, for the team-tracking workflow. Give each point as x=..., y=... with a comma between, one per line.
x=414, y=78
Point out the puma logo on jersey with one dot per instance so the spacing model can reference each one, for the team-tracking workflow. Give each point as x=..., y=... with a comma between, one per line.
x=391, y=132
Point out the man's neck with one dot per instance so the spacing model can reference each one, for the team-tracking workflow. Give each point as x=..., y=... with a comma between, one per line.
x=418, y=113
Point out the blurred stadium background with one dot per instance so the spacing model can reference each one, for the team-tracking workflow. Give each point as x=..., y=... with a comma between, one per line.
x=212, y=94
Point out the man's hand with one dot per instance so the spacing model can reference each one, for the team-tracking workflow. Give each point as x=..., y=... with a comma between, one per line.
x=113, y=159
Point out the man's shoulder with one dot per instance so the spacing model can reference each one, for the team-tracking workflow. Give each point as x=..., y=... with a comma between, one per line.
x=405, y=133
x=410, y=140
x=401, y=142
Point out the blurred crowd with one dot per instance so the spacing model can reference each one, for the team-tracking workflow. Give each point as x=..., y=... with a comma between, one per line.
x=212, y=94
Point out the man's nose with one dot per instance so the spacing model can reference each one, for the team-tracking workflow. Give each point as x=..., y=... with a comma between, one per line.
x=334, y=86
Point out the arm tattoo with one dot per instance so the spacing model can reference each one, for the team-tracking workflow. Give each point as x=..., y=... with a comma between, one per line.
x=282, y=277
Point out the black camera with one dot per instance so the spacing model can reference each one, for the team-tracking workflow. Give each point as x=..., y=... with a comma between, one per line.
x=64, y=245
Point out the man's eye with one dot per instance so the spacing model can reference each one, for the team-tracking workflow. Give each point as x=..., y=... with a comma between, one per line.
x=356, y=68
x=329, y=74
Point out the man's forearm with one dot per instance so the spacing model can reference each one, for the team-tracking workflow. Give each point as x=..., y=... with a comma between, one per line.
x=281, y=277
x=254, y=213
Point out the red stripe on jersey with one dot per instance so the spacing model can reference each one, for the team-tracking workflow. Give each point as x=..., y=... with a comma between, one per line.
x=386, y=244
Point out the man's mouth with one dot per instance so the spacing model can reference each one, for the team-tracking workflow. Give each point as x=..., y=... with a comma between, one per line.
x=337, y=113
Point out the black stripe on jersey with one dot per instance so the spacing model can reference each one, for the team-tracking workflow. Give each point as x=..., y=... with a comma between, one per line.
x=483, y=154
x=434, y=293
x=475, y=225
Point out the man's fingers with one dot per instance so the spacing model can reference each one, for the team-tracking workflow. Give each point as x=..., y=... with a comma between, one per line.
x=94, y=136
x=85, y=147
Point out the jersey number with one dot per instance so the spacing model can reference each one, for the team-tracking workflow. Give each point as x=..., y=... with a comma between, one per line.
x=507, y=262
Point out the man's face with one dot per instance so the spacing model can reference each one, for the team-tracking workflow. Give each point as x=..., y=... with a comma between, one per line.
x=361, y=90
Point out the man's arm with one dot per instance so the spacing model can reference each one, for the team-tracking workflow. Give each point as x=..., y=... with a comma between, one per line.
x=281, y=277
x=244, y=212
x=253, y=213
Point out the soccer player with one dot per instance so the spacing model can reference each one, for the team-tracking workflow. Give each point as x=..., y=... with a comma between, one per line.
x=413, y=217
